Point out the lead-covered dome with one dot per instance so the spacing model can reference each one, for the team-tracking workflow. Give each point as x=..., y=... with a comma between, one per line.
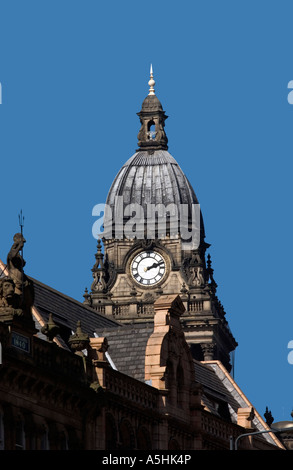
x=151, y=176
x=154, y=178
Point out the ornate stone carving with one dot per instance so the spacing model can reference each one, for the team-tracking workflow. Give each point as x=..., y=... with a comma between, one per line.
x=10, y=302
x=208, y=350
x=196, y=278
x=15, y=266
x=99, y=284
x=79, y=340
x=193, y=270
x=50, y=329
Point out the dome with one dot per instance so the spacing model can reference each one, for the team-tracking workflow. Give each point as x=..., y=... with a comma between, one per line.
x=152, y=178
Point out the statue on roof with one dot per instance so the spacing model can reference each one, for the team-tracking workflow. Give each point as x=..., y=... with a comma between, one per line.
x=15, y=261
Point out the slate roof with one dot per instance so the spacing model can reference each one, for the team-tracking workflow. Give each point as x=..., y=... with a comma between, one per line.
x=221, y=395
x=219, y=386
x=66, y=312
x=127, y=345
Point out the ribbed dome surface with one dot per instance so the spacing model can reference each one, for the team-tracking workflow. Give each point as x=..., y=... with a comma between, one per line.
x=152, y=179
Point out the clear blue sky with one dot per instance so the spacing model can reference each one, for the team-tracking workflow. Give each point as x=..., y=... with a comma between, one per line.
x=74, y=75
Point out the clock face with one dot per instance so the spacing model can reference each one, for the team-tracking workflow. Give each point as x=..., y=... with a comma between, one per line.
x=148, y=268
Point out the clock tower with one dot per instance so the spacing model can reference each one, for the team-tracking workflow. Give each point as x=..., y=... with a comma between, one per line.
x=154, y=244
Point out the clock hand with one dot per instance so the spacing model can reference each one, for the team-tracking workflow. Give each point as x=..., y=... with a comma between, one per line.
x=155, y=265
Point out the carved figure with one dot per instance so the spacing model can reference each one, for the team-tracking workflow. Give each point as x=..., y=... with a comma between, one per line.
x=15, y=265
x=10, y=302
x=15, y=261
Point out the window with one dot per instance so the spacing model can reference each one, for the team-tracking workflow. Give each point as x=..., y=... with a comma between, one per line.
x=151, y=130
x=45, y=439
x=63, y=441
x=111, y=433
x=19, y=434
x=143, y=439
x=126, y=435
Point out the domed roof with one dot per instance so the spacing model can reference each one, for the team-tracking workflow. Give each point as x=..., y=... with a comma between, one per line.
x=151, y=176
x=151, y=103
x=154, y=178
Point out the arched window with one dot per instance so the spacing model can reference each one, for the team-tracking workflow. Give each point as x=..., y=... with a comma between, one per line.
x=151, y=130
x=19, y=434
x=44, y=441
x=173, y=444
x=63, y=441
x=143, y=439
x=110, y=433
x=126, y=435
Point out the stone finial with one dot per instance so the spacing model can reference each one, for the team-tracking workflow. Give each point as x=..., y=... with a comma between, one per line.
x=183, y=289
x=79, y=340
x=50, y=329
x=99, y=284
x=87, y=297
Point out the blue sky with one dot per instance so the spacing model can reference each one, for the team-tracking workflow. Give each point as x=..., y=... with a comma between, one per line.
x=74, y=75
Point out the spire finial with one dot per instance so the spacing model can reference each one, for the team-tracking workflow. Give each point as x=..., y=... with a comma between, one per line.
x=151, y=82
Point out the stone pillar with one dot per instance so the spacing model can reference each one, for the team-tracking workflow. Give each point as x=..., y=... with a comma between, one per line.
x=98, y=349
x=208, y=350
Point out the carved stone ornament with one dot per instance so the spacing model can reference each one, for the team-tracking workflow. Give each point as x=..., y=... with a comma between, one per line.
x=15, y=266
x=50, y=329
x=79, y=340
x=10, y=302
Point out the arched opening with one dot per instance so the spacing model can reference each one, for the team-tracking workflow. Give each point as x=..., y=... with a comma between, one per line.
x=143, y=439
x=126, y=435
x=110, y=433
x=44, y=438
x=173, y=444
x=63, y=441
x=151, y=130
x=19, y=434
